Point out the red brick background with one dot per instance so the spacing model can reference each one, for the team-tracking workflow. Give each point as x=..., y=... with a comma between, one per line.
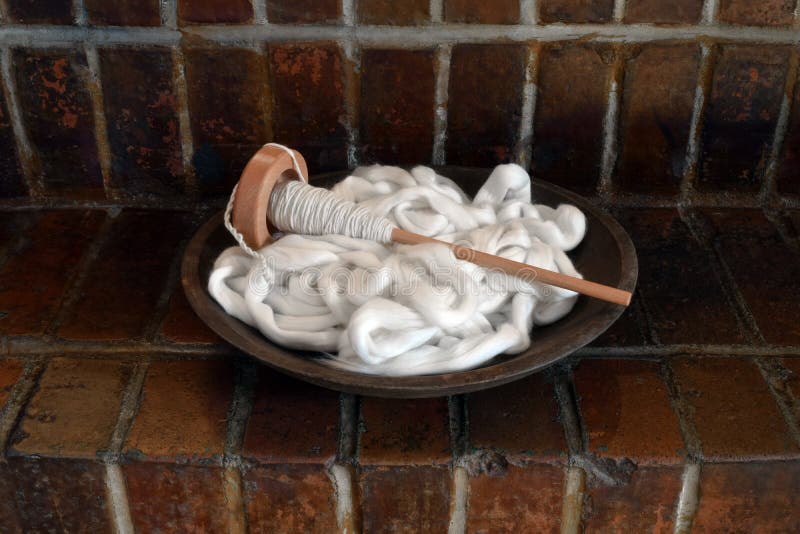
x=113, y=101
x=121, y=121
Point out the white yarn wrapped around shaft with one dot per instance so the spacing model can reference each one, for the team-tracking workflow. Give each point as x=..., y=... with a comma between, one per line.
x=299, y=208
x=399, y=310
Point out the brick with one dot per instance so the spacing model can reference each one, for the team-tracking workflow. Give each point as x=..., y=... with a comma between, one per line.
x=657, y=106
x=646, y=504
x=13, y=225
x=10, y=371
x=74, y=411
x=576, y=10
x=568, y=124
x=175, y=498
x=39, y=11
x=309, y=103
x=408, y=13
x=142, y=119
x=57, y=110
x=518, y=419
x=733, y=410
x=627, y=331
x=215, y=11
x=485, y=103
x=230, y=123
x=289, y=498
x=397, y=91
x=748, y=242
x=182, y=325
x=626, y=411
x=404, y=431
x=753, y=497
x=405, y=499
x=653, y=11
x=57, y=495
x=475, y=11
x=123, y=285
x=34, y=280
x=765, y=13
x=304, y=11
x=12, y=181
x=788, y=173
x=739, y=124
x=123, y=13
x=10, y=516
x=183, y=411
x=685, y=299
x=291, y=421
x=524, y=499
x=792, y=379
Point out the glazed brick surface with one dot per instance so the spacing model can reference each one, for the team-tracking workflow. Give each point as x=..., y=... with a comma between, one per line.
x=645, y=504
x=673, y=266
x=74, y=411
x=123, y=284
x=626, y=411
x=211, y=11
x=405, y=499
x=309, y=103
x=745, y=239
x=657, y=107
x=397, y=106
x=733, y=410
x=475, y=11
x=232, y=122
x=10, y=371
x=681, y=12
x=289, y=498
x=182, y=325
x=407, y=13
x=34, y=280
x=123, y=12
x=520, y=419
x=57, y=108
x=142, y=120
x=404, y=431
x=40, y=11
x=740, y=121
x=291, y=422
x=751, y=497
x=485, y=104
x=12, y=181
x=522, y=499
x=176, y=497
x=568, y=127
x=304, y=11
x=764, y=13
x=788, y=175
x=57, y=495
x=576, y=10
x=183, y=410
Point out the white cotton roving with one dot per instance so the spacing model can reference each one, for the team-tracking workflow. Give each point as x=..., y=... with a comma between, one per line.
x=400, y=310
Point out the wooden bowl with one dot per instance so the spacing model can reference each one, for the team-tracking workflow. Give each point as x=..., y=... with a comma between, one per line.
x=606, y=255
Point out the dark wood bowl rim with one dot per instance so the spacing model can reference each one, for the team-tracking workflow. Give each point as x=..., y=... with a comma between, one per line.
x=285, y=360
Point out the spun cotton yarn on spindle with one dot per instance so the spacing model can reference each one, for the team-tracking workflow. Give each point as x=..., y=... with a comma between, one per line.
x=400, y=310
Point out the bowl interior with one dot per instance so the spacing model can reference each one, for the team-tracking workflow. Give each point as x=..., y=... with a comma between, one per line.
x=606, y=255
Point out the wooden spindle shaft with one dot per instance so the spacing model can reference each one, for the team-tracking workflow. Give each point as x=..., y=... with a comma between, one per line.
x=521, y=270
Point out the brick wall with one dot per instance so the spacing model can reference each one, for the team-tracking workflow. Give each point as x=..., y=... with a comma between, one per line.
x=634, y=102
x=120, y=411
